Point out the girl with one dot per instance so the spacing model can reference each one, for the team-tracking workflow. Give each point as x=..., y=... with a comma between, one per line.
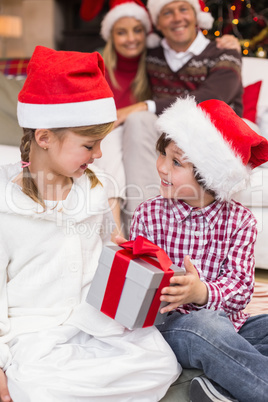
x=54, y=219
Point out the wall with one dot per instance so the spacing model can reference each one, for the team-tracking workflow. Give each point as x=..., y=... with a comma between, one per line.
x=41, y=25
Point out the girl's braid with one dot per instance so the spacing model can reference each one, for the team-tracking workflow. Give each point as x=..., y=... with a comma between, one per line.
x=28, y=135
x=29, y=186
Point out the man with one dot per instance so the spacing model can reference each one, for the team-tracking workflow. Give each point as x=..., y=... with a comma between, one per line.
x=185, y=63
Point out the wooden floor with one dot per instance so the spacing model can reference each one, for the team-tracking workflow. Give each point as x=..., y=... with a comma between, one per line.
x=261, y=275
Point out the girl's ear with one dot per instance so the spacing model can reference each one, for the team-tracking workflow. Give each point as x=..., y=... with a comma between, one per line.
x=43, y=137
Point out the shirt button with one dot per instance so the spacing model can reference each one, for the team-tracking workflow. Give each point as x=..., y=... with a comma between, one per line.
x=73, y=267
x=71, y=302
x=197, y=234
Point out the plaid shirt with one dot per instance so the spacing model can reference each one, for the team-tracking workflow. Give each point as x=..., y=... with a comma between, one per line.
x=220, y=241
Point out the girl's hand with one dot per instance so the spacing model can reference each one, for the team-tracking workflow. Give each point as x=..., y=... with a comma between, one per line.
x=4, y=394
x=188, y=289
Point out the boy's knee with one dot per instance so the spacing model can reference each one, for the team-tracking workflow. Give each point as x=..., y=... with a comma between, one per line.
x=202, y=322
x=206, y=321
x=197, y=333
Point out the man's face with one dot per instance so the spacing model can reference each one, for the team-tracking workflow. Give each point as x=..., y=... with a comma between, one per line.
x=177, y=22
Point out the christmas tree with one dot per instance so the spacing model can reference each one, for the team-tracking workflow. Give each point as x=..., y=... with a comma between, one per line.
x=246, y=19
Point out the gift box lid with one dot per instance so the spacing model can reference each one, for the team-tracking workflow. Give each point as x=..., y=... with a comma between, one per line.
x=139, y=270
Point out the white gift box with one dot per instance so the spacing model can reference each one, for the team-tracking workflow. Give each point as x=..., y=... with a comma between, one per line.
x=140, y=285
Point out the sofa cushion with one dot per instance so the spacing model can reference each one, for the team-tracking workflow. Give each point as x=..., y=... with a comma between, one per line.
x=14, y=67
x=255, y=69
x=250, y=101
x=10, y=131
x=9, y=154
x=256, y=195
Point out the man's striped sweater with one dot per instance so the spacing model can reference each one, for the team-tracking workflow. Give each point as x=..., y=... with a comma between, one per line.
x=214, y=74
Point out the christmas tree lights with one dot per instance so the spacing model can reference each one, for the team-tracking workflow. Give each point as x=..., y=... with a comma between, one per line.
x=246, y=19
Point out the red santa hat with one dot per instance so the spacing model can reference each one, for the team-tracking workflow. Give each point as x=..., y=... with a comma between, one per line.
x=125, y=8
x=221, y=146
x=65, y=89
x=204, y=19
x=90, y=9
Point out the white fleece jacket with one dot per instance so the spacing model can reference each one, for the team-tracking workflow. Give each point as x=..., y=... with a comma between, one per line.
x=48, y=259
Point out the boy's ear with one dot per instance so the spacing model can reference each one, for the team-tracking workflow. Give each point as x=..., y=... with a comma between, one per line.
x=43, y=137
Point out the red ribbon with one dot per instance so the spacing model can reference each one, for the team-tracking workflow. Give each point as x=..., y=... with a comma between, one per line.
x=139, y=248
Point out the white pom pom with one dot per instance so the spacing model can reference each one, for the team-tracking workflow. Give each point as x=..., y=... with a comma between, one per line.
x=153, y=40
x=205, y=20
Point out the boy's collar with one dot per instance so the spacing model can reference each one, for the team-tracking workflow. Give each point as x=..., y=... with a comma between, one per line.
x=183, y=210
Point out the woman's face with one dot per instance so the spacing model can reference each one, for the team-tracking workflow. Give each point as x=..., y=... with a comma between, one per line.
x=129, y=37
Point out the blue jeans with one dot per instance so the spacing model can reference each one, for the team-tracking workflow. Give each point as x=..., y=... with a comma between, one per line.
x=207, y=340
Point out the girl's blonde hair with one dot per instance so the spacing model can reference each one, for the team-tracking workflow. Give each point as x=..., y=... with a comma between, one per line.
x=140, y=85
x=29, y=186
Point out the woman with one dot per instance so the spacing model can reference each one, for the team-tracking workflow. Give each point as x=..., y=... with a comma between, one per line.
x=124, y=28
x=127, y=30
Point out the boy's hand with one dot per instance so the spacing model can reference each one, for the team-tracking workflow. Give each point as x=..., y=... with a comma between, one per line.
x=4, y=394
x=189, y=289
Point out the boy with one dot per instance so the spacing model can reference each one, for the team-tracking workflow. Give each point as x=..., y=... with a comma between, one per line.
x=206, y=154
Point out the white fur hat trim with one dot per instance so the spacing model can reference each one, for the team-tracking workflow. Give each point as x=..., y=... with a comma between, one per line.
x=204, y=19
x=124, y=10
x=74, y=114
x=220, y=167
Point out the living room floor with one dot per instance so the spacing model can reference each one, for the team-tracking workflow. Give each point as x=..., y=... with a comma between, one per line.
x=261, y=275
x=259, y=301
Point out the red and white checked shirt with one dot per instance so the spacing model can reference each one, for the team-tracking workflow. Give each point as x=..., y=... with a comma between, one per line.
x=220, y=241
